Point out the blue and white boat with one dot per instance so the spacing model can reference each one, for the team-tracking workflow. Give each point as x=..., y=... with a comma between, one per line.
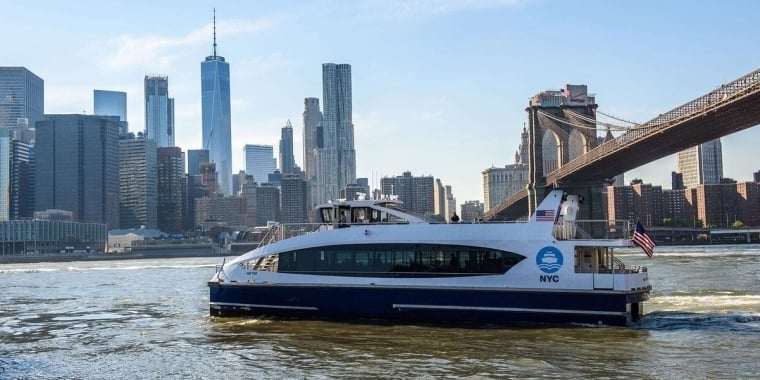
x=369, y=259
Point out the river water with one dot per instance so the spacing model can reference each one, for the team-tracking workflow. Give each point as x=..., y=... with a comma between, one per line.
x=148, y=319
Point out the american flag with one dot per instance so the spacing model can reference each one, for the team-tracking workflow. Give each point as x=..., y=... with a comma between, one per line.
x=544, y=215
x=642, y=239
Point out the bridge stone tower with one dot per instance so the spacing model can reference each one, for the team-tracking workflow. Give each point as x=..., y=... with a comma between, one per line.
x=561, y=127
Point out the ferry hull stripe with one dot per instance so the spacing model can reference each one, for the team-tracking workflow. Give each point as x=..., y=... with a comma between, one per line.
x=251, y=305
x=507, y=309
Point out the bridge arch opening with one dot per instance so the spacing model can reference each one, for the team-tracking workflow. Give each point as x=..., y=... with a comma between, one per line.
x=550, y=150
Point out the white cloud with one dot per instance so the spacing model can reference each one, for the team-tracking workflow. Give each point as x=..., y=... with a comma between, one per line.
x=160, y=51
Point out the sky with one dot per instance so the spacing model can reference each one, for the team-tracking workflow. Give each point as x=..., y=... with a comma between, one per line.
x=440, y=87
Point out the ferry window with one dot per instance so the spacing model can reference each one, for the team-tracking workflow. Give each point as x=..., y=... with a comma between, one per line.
x=327, y=215
x=401, y=260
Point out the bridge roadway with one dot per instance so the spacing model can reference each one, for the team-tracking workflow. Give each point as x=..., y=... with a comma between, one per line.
x=732, y=107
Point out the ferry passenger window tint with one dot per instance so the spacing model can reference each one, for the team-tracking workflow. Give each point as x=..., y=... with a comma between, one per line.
x=400, y=260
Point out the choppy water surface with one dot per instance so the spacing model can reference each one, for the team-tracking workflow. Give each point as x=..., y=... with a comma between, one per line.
x=149, y=319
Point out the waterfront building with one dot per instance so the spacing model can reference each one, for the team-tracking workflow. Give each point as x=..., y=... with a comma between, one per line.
x=159, y=111
x=5, y=174
x=195, y=190
x=237, y=181
x=501, y=183
x=22, y=95
x=338, y=166
x=112, y=103
x=471, y=211
x=445, y=202
x=229, y=211
x=171, y=189
x=216, y=119
x=77, y=167
x=287, y=160
x=415, y=192
x=353, y=190
x=267, y=204
x=21, y=187
x=637, y=201
x=196, y=157
x=138, y=183
x=701, y=164
x=293, y=199
x=50, y=237
x=248, y=191
x=208, y=177
x=260, y=162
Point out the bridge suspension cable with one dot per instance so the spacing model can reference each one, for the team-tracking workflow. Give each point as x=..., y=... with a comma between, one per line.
x=617, y=118
x=581, y=126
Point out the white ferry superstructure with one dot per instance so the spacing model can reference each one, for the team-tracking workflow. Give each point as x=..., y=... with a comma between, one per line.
x=371, y=260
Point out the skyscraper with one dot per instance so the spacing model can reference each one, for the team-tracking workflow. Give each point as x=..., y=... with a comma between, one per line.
x=171, y=188
x=312, y=123
x=259, y=162
x=287, y=161
x=701, y=164
x=138, y=185
x=339, y=156
x=21, y=96
x=77, y=167
x=112, y=103
x=215, y=107
x=159, y=111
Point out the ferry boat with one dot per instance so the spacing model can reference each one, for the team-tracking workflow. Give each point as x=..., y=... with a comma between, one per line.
x=370, y=259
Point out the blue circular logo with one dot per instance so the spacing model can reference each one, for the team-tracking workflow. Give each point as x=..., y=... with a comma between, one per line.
x=549, y=259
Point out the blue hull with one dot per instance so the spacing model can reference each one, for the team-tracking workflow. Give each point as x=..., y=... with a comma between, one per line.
x=497, y=306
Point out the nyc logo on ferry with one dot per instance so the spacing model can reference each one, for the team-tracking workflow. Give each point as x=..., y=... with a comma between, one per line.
x=549, y=259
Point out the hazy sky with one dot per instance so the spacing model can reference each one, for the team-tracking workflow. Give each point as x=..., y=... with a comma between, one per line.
x=439, y=87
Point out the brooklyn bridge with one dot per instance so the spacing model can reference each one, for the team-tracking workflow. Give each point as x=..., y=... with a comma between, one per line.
x=569, y=117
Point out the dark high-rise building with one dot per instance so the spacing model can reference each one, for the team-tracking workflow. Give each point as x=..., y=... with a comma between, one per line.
x=248, y=191
x=293, y=194
x=77, y=167
x=287, y=161
x=138, y=182
x=22, y=96
x=676, y=181
x=112, y=103
x=267, y=204
x=196, y=157
x=312, y=120
x=216, y=120
x=338, y=167
x=415, y=192
x=171, y=189
x=195, y=190
x=159, y=111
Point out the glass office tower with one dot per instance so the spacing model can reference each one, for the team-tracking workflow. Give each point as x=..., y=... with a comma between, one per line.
x=159, y=111
x=216, y=122
x=112, y=103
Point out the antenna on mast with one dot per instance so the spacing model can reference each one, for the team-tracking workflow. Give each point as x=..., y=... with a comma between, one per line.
x=214, y=32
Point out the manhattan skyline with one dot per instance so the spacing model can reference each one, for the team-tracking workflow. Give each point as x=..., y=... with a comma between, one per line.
x=439, y=88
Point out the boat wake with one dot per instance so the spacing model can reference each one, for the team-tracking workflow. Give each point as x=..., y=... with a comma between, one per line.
x=681, y=320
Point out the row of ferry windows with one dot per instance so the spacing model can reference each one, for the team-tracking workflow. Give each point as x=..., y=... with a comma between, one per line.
x=402, y=258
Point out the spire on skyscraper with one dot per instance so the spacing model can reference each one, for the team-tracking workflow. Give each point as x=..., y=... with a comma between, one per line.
x=214, y=33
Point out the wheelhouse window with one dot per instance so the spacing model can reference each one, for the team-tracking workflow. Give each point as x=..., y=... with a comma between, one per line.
x=399, y=260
